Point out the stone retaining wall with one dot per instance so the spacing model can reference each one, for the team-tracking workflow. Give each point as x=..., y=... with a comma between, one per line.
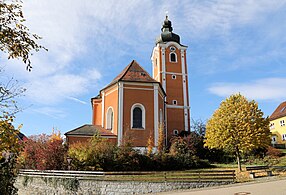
x=28, y=185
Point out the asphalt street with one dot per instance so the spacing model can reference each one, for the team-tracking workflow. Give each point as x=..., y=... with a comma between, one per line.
x=261, y=187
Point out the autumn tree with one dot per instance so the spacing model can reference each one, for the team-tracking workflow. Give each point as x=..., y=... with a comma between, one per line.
x=150, y=146
x=15, y=38
x=161, y=138
x=10, y=90
x=237, y=126
x=43, y=152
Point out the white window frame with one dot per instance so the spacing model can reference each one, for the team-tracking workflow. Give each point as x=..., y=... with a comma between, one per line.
x=175, y=132
x=138, y=105
x=172, y=48
x=176, y=57
x=272, y=126
x=282, y=123
x=175, y=102
x=283, y=137
x=174, y=76
x=108, y=124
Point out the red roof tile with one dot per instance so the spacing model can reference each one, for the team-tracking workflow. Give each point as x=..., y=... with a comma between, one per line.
x=279, y=112
x=133, y=72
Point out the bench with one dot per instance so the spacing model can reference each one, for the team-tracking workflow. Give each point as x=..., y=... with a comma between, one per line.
x=258, y=169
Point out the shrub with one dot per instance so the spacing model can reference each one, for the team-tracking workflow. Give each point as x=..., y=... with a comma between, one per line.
x=273, y=152
x=43, y=152
x=99, y=154
x=96, y=154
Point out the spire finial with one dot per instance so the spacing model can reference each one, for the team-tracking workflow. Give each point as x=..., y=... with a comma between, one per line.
x=166, y=15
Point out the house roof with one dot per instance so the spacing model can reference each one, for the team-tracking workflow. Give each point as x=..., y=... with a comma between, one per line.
x=21, y=136
x=90, y=130
x=279, y=112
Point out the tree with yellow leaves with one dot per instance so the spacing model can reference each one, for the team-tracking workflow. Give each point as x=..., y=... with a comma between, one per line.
x=237, y=126
x=161, y=139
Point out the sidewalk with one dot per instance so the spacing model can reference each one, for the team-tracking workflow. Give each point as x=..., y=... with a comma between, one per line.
x=273, y=186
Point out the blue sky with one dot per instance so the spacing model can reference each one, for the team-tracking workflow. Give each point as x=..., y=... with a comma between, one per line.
x=233, y=46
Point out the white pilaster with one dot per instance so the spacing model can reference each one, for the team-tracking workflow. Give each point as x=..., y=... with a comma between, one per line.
x=120, y=114
x=102, y=109
x=156, y=115
x=184, y=90
x=163, y=68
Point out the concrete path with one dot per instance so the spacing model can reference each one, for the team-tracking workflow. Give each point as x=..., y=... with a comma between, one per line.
x=262, y=187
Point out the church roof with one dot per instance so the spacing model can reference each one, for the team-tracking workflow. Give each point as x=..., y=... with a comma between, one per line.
x=134, y=73
x=90, y=130
x=279, y=112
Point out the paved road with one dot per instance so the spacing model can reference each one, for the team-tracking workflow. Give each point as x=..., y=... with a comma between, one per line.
x=270, y=187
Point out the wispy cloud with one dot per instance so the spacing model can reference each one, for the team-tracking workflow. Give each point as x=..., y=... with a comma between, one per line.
x=76, y=100
x=262, y=89
x=55, y=88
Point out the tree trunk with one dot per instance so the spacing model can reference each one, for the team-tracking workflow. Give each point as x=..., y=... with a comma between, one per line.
x=238, y=158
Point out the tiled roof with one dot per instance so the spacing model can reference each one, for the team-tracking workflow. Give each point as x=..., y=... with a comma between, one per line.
x=133, y=72
x=279, y=112
x=90, y=130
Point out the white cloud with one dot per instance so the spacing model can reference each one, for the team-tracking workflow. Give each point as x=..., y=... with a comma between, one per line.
x=219, y=16
x=263, y=89
x=76, y=100
x=54, y=89
x=102, y=32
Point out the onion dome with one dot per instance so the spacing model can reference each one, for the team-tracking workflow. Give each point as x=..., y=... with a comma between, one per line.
x=167, y=34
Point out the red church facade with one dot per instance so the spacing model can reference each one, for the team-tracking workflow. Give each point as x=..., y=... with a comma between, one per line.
x=135, y=104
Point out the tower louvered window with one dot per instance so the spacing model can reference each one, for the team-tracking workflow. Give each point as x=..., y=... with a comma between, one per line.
x=173, y=57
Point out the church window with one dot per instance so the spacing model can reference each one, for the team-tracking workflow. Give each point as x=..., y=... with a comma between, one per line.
x=138, y=116
x=173, y=57
x=174, y=76
x=109, y=118
x=175, y=102
x=175, y=132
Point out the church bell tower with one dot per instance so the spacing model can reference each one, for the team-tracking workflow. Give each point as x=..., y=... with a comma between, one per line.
x=170, y=69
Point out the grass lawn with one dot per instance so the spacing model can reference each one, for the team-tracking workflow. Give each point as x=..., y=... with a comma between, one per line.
x=283, y=151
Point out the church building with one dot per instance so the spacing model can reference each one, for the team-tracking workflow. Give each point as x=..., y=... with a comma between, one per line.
x=135, y=104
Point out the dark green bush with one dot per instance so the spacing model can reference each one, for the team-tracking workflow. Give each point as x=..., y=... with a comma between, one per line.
x=8, y=176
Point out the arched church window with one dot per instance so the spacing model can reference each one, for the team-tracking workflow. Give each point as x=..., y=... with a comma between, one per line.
x=138, y=116
x=173, y=57
x=109, y=118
